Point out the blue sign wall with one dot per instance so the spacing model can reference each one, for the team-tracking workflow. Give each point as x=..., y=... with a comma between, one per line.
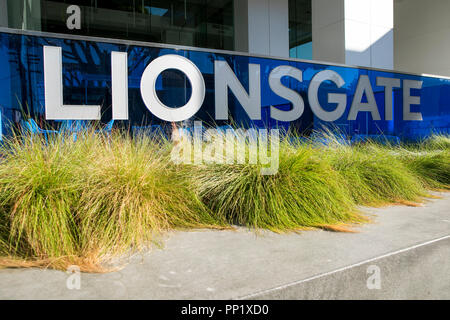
x=87, y=80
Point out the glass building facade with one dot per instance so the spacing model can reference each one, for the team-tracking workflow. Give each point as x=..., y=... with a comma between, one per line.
x=197, y=23
x=300, y=29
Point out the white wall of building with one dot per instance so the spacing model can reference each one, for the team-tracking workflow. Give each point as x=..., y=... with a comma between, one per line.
x=422, y=36
x=258, y=27
x=354, y=32
x=328, y=30
x=262, y=27
x=279, y=28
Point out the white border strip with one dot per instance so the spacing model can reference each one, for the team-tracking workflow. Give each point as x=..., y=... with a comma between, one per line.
x=340, y=269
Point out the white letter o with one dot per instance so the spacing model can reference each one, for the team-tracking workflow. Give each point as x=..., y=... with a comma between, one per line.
x=148, y=85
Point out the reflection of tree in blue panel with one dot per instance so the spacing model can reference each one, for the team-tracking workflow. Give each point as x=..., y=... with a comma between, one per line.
x=24, y=67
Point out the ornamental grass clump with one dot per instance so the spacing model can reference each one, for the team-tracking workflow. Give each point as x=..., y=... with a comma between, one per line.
x=374, y=175
x=132, y=193
x=82, y=202
x=305, y=192
x=429, y=160
x=432, y=168
x=39, y=191
x=436, y=142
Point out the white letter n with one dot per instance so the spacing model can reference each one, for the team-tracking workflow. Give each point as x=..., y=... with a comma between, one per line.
x=225, y=78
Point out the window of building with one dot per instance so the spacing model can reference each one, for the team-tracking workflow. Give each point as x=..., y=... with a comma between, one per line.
x=198, y=23
x=300, y=31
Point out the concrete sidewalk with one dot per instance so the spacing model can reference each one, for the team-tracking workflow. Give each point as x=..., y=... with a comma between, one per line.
x=409, y=246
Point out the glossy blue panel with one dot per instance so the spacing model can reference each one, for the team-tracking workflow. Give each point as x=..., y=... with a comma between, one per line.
x=87, y=80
